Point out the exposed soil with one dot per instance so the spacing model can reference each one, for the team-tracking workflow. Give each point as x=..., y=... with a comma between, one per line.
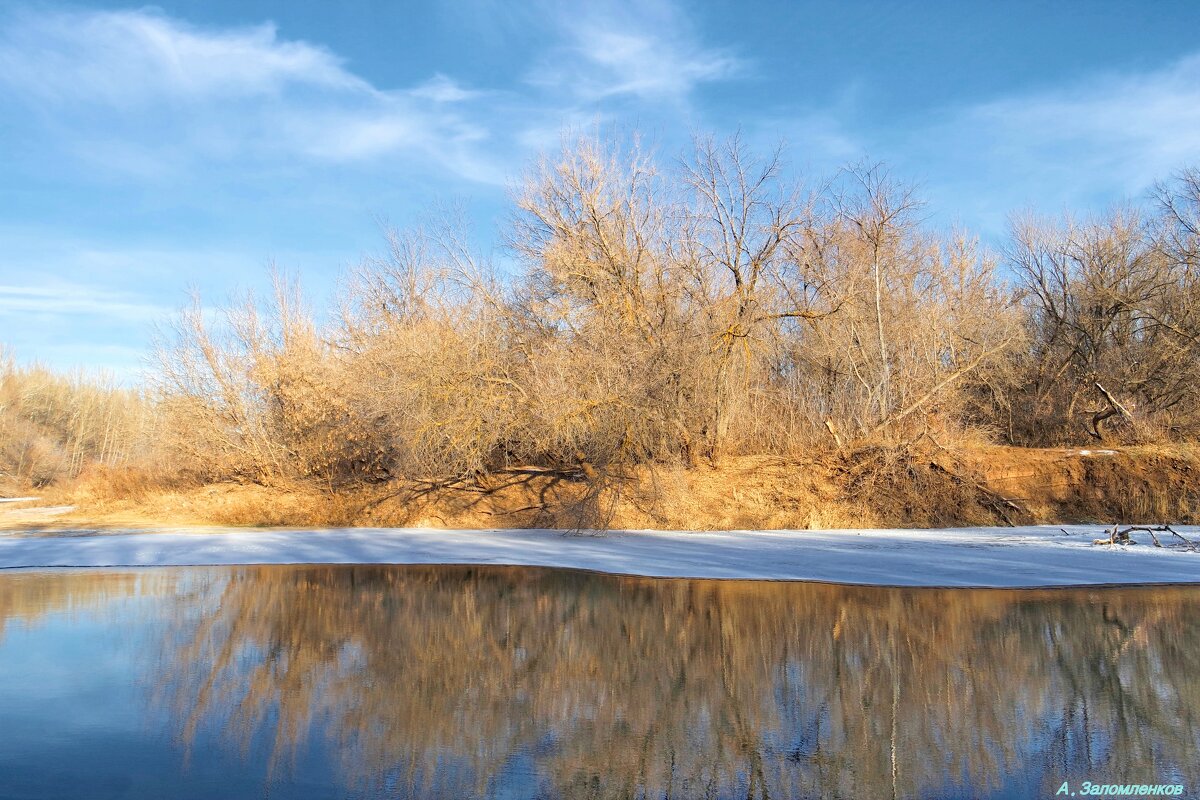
x=929, y=487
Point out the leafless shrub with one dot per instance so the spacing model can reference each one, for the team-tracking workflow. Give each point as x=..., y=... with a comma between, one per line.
x=429, y=350
x=255, y=394
x=605, y=323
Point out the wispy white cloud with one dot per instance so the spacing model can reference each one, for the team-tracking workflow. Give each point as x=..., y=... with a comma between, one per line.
x=442, y=89
x=70, y=325
x=127, y=58
x=148, y=96
x=649, y=51
x=70, y=303
x=1133, y=127
x=1094, y=140
x=149, y=91
x=123, y=363
x=243, y=121
x=648, y=66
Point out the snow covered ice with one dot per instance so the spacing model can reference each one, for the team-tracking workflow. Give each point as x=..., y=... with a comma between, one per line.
x=962, y=557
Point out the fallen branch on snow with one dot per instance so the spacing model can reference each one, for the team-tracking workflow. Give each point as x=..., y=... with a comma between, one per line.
x=1122, y=536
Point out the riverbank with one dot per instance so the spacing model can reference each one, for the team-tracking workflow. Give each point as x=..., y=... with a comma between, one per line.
x=927, y=487
x=1023, y=557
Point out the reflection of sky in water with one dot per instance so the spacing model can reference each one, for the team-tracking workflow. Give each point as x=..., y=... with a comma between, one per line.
x=508, y=682
x=77, y=719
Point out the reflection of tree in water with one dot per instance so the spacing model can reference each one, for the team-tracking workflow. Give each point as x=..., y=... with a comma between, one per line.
x=30, y=596
x=453, y=681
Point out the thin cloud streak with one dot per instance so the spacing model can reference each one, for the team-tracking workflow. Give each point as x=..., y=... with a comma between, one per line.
x=72, y=299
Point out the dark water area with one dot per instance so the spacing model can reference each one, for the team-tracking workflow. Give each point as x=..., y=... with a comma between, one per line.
x=500, y=682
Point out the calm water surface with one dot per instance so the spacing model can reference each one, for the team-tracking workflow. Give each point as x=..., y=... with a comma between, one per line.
x=452, y=682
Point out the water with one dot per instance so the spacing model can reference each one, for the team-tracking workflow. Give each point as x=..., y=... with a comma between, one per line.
x=501, y=682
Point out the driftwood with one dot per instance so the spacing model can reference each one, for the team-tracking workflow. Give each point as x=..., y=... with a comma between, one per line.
x=1122, y=536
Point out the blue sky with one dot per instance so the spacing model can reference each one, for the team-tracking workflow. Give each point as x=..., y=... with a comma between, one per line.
x=149, y=149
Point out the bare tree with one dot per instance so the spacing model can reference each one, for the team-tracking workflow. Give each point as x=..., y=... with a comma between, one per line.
x=744, y=243
x=1179, y=214
x=918, y=319
x=55, y=426
x=1112, y=322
